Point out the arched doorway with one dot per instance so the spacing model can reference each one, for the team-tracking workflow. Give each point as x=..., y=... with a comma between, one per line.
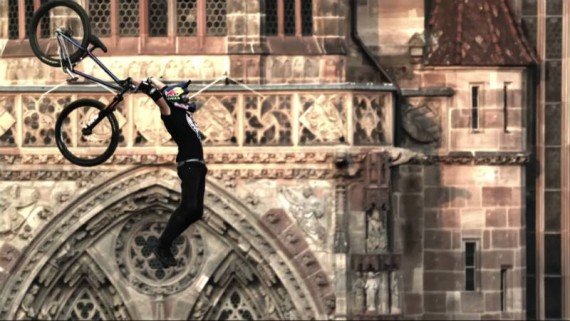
x=92, y=260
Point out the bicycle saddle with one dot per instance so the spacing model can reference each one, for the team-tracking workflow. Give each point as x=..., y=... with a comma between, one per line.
x=95, y=41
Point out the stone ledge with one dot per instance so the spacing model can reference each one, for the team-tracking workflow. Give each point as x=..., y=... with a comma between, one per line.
x=428, y=92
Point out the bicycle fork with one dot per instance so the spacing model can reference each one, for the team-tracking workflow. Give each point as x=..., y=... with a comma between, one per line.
x=88, y=128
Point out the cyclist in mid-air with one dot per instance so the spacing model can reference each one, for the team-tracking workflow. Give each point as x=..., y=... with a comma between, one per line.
x=176, y=112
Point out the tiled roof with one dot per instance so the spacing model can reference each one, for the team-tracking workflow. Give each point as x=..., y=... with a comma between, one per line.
x=476, y=33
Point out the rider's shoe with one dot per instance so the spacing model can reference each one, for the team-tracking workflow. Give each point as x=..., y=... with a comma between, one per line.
x=164, y=256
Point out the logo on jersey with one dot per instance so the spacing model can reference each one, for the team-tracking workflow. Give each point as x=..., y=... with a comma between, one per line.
x=193, y=125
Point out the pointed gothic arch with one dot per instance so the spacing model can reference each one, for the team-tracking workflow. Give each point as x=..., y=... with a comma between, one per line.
x=237, y=290
x=91, y=214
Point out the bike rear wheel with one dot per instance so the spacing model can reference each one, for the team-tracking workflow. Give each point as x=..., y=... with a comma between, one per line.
x=69, y=17
x=86, y=149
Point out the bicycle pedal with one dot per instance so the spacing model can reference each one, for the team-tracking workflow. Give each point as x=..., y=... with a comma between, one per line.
x=72, y=80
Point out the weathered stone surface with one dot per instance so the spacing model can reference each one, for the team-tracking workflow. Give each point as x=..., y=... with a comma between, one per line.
x=497, y=196
x=472, y=302
x=443, y=281
x=443, y=260
x=435, y=303
x=496, y=217
x=472, y=219
x=437, y=240
x=504, y=238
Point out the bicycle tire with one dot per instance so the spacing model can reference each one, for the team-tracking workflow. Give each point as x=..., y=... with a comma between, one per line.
x=36, y=19
x=86, y=162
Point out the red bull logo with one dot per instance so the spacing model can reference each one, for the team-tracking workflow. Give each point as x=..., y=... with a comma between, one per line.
x=174, y=92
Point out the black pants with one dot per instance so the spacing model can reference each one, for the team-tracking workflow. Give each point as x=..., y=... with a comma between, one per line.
x=191, y=208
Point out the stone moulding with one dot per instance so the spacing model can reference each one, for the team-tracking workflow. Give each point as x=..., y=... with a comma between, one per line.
x=476, y=158
x=355, y=155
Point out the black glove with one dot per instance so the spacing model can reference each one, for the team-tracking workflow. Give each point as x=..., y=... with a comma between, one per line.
x=146, y=87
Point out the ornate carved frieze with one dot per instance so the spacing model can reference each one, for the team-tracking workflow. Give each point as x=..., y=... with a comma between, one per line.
x=469, y=158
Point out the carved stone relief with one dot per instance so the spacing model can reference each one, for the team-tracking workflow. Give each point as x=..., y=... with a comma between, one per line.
x=377, y=229
x=422, y=122
x=7, y=121
x=19, y=205
x=32, y=71
x=322, y=119
x=376, y=292
x=310, y=209
x=217, y=120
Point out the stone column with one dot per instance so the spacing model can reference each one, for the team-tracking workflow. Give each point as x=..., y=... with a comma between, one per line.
x=340, y=247
x=4, y=19
x=244, y=39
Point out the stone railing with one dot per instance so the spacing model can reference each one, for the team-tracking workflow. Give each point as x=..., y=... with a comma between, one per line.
x=282, y=116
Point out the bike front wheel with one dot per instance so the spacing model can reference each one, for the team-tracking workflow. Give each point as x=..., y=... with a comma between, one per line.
x=77, y=141
x=66, y=16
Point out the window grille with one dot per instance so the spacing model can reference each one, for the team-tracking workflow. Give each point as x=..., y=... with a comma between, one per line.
x=307, y=17
x=100, y=11
x=271, y=26
x=129, y=18
x=157, y=18
x=186, y=16
x=289, y=19
x=13, y=27
x=216, y=18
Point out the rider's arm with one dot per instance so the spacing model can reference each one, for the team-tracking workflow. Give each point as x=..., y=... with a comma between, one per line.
x=157, y=83
x=161, y=103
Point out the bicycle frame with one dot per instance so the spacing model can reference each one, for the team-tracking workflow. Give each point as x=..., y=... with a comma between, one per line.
x=118, y=85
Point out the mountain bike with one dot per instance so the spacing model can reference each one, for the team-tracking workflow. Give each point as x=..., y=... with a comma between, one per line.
x=60, y=36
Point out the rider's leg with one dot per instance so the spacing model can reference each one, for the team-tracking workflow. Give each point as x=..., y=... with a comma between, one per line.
x=191, y=208
x=191, y=219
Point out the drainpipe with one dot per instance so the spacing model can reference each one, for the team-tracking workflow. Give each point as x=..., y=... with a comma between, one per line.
x=370, y=57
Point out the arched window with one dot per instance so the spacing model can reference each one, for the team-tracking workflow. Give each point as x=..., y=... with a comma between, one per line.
x=288, y=17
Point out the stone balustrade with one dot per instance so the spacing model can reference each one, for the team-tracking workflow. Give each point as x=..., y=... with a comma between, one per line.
x=229, y=117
